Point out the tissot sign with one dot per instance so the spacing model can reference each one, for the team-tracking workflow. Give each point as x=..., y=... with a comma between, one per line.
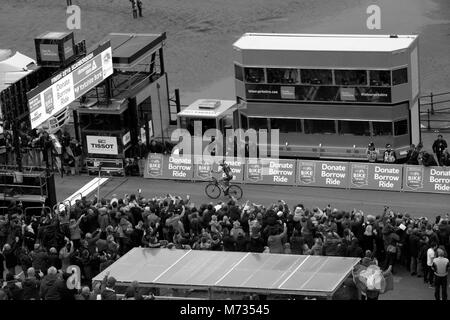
x=54, y=94
x=101, y=145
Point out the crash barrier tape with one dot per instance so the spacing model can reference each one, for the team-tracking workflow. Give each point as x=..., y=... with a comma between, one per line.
x=87, y=189
x=313, y=173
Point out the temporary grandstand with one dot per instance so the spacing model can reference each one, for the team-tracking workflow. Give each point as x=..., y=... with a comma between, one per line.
x=238, y=272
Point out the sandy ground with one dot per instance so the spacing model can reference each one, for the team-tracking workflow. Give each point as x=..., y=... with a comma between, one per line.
x=201, y=32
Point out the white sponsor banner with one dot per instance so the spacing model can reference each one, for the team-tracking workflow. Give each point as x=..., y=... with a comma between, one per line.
x=102, y=145
x=54, y=94
x=126, y=138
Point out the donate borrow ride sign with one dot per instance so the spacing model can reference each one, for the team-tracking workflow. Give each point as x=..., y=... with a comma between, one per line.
x=160, y=166
x=376, y=176
x=204, y=166
x=426, y=179
x=268, y=171
x=322, y=174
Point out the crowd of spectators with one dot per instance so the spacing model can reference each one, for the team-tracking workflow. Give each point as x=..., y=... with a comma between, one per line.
x=93, y=234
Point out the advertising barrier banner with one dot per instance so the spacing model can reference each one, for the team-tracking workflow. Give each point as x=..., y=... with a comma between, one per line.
x=204, y=166
x=322, y=174
x=426, y=179
x=160, y=166
x=376, y=176
x=268, y=171
x=370, y=176
x=101, y=145
x=55, y=93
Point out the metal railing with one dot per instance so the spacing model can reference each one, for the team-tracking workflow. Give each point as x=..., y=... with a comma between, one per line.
x=435, y=111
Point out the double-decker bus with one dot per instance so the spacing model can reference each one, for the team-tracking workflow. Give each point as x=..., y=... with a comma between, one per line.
x=329, y=95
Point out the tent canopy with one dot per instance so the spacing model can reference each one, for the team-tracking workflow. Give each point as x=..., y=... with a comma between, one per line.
x=233, y=271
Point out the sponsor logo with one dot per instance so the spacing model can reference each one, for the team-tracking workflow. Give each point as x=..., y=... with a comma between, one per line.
x=254, y=172
x=360, y=175
x=414, y=177
x=307, y=172
x=155, y=164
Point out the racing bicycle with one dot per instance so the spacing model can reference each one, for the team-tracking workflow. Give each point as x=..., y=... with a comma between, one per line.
x=215, y=188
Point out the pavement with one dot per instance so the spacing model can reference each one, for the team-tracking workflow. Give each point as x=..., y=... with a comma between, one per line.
x=406, y=287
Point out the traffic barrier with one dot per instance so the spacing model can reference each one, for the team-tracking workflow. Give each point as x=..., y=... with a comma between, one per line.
x=322, y=174
x=159, y=166
x=312, y=173
x=206, y=168
x=270, y=171
x=375, y=176
x=426, y=179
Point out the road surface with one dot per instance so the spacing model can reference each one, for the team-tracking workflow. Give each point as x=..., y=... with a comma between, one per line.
x=371, y=202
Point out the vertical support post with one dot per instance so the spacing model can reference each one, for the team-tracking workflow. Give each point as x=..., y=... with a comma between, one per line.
x=428, y=120
x=160, y=113
x=177, y=100
x=98, y=185
x=432, y=103
x=76, y=125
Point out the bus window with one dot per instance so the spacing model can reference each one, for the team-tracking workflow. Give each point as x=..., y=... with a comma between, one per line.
x=350, y=77
x=320, y=126
x=254, y=75
x=316, y=76
x=238, y=73
x=257, y=123
x=357, y=128
x=380, y=78
x=400, y=127
x=382, y=128
x=399, y=76
x=282, y=75
x=286, y=125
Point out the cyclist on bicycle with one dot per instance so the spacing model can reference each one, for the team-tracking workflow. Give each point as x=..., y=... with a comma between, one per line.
x=228, y=175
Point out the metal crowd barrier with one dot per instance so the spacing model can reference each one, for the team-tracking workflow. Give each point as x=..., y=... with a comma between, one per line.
x=43, y=208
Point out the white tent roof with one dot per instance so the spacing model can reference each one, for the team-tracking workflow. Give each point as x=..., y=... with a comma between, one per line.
x=16, y=62
x=324, y=42
x=14, y=68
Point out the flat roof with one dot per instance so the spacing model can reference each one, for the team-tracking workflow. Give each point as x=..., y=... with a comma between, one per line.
x=324, y=42
x=233, y=271
x=128, y=48
x=195, y=109
x=54, y=35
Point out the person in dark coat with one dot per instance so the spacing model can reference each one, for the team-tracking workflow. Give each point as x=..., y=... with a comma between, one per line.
x=108, y=284
x=10, y=258
x=414, y=246
x=256, y=243
x=53, y=259
x=354, y=250
x=39, y=257
x=31, y=286
x=51, y=285
x=439, y=146
x=12, y=288
x=2, y=268
x=139, y=5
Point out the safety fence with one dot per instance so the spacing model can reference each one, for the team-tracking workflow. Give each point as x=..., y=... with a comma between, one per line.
x=312, y=173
